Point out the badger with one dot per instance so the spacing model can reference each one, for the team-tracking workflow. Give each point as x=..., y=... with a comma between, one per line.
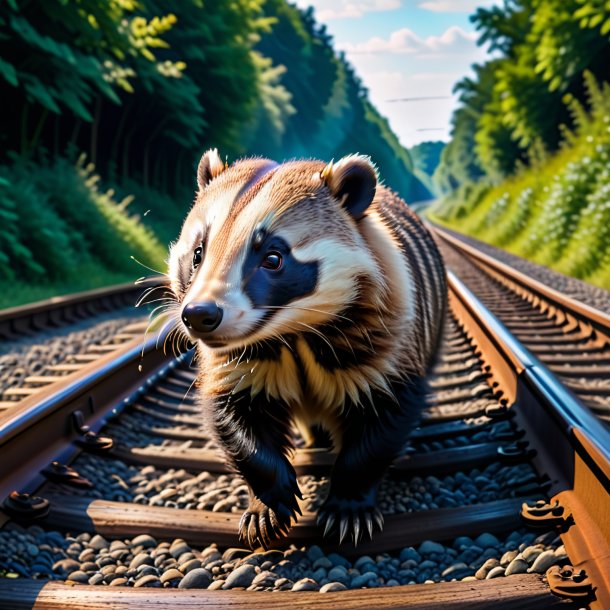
x=315, y=298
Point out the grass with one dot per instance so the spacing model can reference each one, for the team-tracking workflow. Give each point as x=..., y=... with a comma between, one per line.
x=555, y=212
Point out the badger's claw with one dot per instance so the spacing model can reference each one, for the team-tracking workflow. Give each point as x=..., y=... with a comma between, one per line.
x=261, y=525
x=351, y=516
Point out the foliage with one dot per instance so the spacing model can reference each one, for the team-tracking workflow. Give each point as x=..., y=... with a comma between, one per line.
x=143, y=87
x=519, y=99
x=56, y=222
x=556, y=212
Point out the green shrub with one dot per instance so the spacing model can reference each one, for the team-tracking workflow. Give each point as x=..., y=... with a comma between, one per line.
x=56, y=225
x=557, y=211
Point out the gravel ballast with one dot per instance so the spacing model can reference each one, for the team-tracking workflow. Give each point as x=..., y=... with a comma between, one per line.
x=32, y=355
x=177, y=488
x=145, y=562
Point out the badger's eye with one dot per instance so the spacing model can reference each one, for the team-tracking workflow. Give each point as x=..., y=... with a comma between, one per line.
x=273, y=260
x=197, y=257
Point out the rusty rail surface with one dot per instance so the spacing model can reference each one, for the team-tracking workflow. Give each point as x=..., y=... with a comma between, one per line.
x=561, y=438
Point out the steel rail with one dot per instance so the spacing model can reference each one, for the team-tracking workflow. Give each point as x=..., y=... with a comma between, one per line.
x=52, y=418
x=600, y=320
x=573, y=445
x=61, y=310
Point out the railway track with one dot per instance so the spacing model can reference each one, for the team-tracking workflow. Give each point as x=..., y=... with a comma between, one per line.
x=42, y=342
x=502, y=497
x=571, y=337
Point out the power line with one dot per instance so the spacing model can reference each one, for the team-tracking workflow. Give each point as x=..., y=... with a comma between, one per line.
x=420, y=99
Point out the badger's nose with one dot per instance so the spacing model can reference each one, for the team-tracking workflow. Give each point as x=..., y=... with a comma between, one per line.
x=202, y=317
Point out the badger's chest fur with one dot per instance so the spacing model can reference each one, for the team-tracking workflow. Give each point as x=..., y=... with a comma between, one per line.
x=316, y=299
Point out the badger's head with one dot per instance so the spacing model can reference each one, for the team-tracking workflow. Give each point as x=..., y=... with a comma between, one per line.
x=268, y=250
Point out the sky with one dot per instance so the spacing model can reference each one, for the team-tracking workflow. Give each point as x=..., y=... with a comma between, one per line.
x=407, y=49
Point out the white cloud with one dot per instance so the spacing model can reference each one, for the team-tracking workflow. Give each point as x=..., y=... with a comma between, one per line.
x=450, y=6
x=404, y=41
x=348, y=8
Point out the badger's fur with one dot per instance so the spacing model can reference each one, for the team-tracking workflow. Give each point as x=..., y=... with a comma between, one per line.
x=316, y=298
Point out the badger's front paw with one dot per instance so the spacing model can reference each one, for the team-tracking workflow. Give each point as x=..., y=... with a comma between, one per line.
x=261, y=525
x=348, y=515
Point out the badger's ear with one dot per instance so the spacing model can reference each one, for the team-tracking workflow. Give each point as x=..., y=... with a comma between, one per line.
x=353, y=181
x=210, y=166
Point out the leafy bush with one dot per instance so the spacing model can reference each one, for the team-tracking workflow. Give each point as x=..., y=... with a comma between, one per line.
x=55, y=222
x=557, y=212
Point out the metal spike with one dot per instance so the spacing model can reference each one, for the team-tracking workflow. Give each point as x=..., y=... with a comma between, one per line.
x=330, y=521
x=343, y=525
x=369, y=524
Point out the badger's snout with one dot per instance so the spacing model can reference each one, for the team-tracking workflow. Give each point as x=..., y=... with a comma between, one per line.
x=202, y=317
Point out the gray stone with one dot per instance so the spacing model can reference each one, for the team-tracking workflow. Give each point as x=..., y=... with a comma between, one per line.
x=338, y=560
x=67, y=565
x=145, y=570
x=139, y=560
x=98, y=543
x=265, y=579
x=31, y=549
x=79, y=576
x=231, y=554
x=305, y=584
x=543, y=562
x=495, y=572
x=178, y=549
x=338, y=573
x=240, y=577
x=96, y=579
x=187, y=566
x=364, y=559
x=456, y=570
x=462, y=541
x=516, y=566
x=322, y=562
x=486, y=541
x=363, y=580
x=508, y=557
x=149, y=580
x=144, y=540
x=171, y=575
x=319, y=574
x=198, y=578
x=428, y=547
x=530, y=553
x=86, y=555
x=315, y=552
x=489, y=564
x=560, y=553
x=333, y=586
